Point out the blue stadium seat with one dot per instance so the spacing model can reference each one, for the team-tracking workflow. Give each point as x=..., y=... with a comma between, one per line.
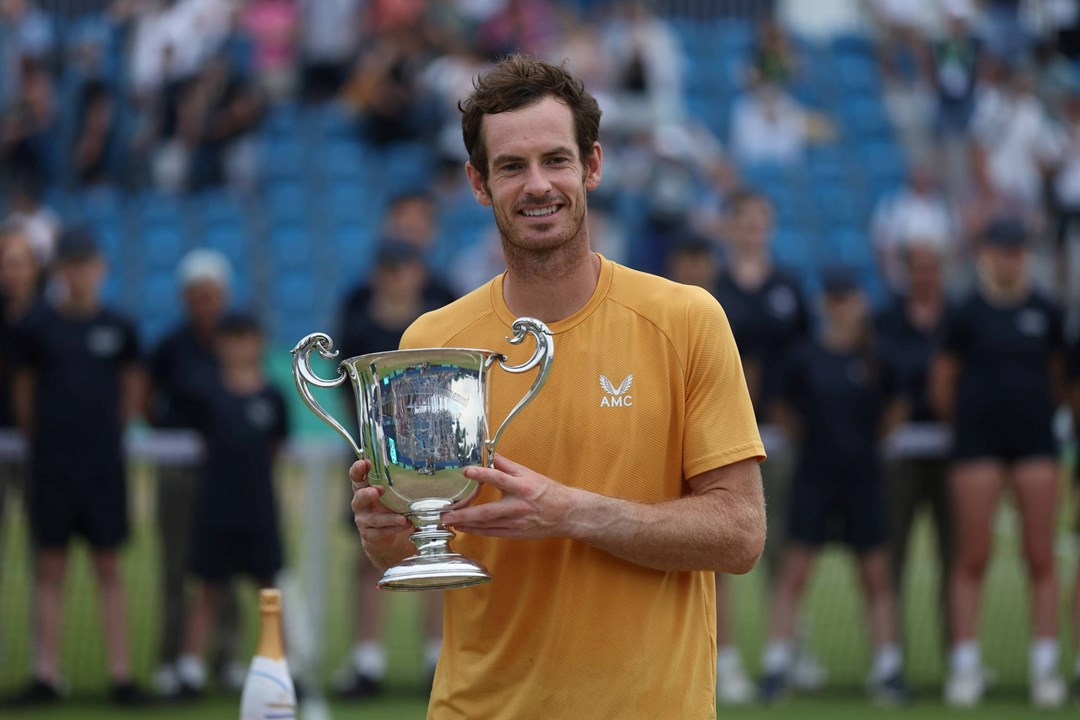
x=792, y=249
x=291, y=247
x=230, y=239
x=286, y=201
x=162, y=245
x=849, y=246
x=282, y=158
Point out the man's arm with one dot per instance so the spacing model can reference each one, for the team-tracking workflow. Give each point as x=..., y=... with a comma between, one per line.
x=719, y=526
x=22, y=399
x=133, y=392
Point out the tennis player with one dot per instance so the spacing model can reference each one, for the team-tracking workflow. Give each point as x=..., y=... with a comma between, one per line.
x=998, y=377
x=629, y=480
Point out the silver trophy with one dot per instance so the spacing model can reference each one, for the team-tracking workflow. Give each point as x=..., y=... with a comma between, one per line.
x=423, y=420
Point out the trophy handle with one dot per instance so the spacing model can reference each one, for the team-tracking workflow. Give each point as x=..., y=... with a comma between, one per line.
x=545, y=351
x=304, y=375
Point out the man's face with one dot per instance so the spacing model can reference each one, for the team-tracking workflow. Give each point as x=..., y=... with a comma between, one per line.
x=204, y=301
x=18, y=268
x=243, y=349
x=537, y=181
x=924, y=269
x=751, y=226
x=82, y=277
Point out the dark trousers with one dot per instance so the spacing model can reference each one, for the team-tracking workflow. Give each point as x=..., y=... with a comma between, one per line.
x=177, y=491
x=914, y=483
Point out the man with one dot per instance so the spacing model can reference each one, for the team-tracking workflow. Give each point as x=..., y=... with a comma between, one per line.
x=181, y=365
x=77, y=384
x=603, y=531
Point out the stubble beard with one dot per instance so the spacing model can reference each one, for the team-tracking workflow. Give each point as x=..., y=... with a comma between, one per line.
x=550, y=257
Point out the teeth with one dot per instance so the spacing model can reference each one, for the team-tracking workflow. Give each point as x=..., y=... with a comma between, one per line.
x=541, y=211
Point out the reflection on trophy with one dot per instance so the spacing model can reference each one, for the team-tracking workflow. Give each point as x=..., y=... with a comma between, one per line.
x=423, y=419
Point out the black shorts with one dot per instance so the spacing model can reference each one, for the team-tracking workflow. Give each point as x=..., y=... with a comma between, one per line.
x=219, y=553
x=980, y=434
x=848, y=506
x=78, y=501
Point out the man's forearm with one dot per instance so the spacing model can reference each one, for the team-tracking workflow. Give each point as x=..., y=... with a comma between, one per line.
x=716, y=531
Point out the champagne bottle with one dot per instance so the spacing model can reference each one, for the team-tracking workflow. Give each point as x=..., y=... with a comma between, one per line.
x=268, y=690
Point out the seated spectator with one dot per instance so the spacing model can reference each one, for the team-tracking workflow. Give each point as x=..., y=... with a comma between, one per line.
x=95, y=137
x=768, y=127
x=917, y=210
x=225, y=110
x=38, y=222
x=26, y=33
x=28, y=126
x=954, y=66
x=772, y=59
x=329, y=40
x=273, y=26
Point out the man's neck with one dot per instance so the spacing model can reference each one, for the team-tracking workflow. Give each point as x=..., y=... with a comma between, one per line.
x=551, y=288
x=79, y=307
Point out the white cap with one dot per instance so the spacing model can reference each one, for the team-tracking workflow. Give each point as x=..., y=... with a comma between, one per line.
x=204, y=264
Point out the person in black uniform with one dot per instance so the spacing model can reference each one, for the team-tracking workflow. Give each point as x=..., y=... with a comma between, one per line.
x=998, y=377
x=77, y=384
x=180, y=365
x=838, y=401
x=768, y=316
x=399, y=293
x=243, y=421
x=907, y=333
x=20, y=290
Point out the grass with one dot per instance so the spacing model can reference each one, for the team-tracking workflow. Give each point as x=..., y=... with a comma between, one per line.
x=834, y=616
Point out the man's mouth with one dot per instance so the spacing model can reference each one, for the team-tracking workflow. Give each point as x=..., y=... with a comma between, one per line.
x=540, y=211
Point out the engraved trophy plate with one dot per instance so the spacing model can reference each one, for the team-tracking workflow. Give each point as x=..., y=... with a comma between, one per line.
x=423, y=419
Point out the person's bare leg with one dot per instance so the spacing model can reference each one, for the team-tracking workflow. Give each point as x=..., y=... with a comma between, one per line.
x=880, y=598
x=49, y=593
x=368, y=653
x=201, y=618
x=1036, y=487
x=111, y=591
x=788, y=590
x=976, y=488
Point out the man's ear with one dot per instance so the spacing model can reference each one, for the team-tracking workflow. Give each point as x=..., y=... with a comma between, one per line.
x=594, y=165
x=479, y=187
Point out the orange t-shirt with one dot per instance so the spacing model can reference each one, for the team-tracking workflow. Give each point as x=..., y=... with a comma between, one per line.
x=646, y=390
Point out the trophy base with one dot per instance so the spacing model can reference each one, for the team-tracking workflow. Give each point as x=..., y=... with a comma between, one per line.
x=434, y=572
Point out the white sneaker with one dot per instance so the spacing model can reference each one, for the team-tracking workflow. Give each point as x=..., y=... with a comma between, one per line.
x=1048, y=691
x=808, y=673
x=964, y=690
x=734, y=688
x=166, y=681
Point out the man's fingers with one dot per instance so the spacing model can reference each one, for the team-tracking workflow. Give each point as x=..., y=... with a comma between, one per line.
x=370, y=520
x=493, y=477
x=367, y=498
x=359, y=470
x=508, y=466
x=485, y=513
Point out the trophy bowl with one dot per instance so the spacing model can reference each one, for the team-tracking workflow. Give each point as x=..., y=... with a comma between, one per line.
x=423, y=418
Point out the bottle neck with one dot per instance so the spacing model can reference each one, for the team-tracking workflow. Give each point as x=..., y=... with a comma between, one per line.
x=270, y=645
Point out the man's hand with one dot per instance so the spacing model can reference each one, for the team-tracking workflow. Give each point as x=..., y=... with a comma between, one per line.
x=385, y=533
x=532, y=506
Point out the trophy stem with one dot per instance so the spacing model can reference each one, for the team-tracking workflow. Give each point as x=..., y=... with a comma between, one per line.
x=434, y=566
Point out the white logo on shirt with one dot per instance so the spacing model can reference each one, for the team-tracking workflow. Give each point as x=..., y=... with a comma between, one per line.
x=104, y=341
x=616, y=396
x=782, y=302
x=261, y=414
x=1031, y=323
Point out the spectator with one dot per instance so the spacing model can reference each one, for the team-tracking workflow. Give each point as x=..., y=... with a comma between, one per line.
x=841, y=402
x=997, y=380
x=1065, y=195
x=77, y=384
x=954, y=67
x=918, y=210
x=525, y=26
x=329, y=40
x=387, y=91
x=181, y=367
x=225, y=110
x=38, y=222
x=769, y=127
x=25, y=34
x=96, y=137
x=907, y=332
x=243, y=421
x=28, y=126
x=1073, y=368
x=397, y=299
x=646, y=68
x=772, y=59
x=274, y=28
x=1012, y=133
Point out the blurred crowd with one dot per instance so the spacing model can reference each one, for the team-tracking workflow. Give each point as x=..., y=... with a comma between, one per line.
x=976, y=250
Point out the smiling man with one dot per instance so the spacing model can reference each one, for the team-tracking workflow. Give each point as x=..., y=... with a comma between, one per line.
x=629, y=480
